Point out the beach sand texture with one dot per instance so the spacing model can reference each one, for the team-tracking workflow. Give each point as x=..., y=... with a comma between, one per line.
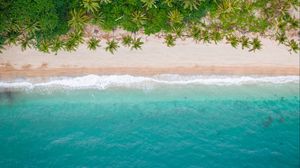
x=187, y=57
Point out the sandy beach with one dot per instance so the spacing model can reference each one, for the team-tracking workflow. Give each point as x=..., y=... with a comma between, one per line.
x=187, y=57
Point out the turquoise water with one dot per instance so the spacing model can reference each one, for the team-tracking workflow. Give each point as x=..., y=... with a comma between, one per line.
x=208, y=126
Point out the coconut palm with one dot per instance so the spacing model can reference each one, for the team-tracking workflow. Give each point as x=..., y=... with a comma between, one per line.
x=216, y=36
x=127, y=40
x=244, y=42
x=112, y=46
x=44, y=46
x=256, y=44
x=98, y=19
x=170, y=40
x=74, y=40
x=136, y=43
x=12, y=38
x=206, y=36
x=169, y=3
x=26, y=42
x=294, y=46
x=93, y=43
x=233, y=40
x=90, y=5
x=78, y=20
x=178, y=31
x=191, y=4
x=149, y=3
x=56, y=45
x=281, y=38
x=175, y=17
x=139, y=18
x=195, y=33
x=31, y=29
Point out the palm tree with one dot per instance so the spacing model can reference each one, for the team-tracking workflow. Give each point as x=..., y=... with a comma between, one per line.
x=175, y=17
x=233, y=40
x=74, y=40
x=56, y=45
x=44, y=46
x=178, y=31
x=244, y=42
x=205, y=36
x=216, y=36
x=137, y=43
x=281, y=38
x=112, y=46
x=256, y=44
x=12, y=38
x=93, y=43
x=98, y=19
x=149, y=3
x=90, y=5
x=139, y=18
x=191, y=4
x=170, y=40
x=169, y=3
x=195, y=33
x=71, y=45
x=78, y=20
x=127, y=40
x=294, y=46
x=32, y=28
x=26, y=42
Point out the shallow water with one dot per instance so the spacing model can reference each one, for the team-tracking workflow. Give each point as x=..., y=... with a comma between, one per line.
x=190, y=125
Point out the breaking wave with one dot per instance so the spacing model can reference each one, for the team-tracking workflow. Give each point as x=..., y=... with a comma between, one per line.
x=107, y=81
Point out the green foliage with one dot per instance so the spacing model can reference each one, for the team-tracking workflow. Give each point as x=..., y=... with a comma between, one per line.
x=93, y=44
x=112, y=46
x=136, y=43
x=53, y=25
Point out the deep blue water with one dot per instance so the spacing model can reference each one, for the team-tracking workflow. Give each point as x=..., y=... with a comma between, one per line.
x=248, y=126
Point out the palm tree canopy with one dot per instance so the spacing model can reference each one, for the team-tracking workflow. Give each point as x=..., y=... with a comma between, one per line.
x=191, y=4
x=127, y=40
x=175, y=17
x=90, y=5
x=137, y=43
x=170, y=40
x=112, y=46
x=78, y=20
x=139, y=18
x=149, y=3
x=93, y=43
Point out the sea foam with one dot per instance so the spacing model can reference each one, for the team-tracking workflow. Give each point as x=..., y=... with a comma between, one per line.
x=107, y=81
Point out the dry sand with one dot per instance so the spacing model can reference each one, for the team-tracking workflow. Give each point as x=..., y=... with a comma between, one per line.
x=187, y=57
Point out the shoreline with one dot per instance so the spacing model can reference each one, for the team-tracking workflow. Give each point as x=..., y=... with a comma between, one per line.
x=11, y=73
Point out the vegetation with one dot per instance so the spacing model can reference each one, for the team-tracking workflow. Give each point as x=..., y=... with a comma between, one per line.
x=53, y=25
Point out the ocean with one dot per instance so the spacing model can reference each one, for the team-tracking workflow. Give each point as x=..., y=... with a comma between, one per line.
x=121, y=121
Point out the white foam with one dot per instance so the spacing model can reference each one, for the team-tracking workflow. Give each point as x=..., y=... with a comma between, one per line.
x=106, y=81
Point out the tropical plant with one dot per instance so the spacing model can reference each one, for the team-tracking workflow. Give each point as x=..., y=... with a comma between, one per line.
x=139, y=18
x=136, y=43
x=112, y=46
x=93, y=43
x=244, y=42
x=170, y=40
x=169, y=3
x=256, y=44
x=127, y=40
x=294, y=46
x=90, y=5
x=191, y=4
x=232, y=40
x=26, y=42
x=175, y=17
x=44, y=46
x=149, y=3
x=78, y=20
x=56, y=45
